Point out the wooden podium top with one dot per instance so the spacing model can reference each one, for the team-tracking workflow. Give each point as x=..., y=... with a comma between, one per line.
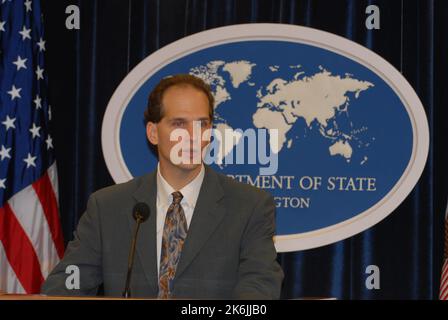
x=44, y=297
x=5, y=296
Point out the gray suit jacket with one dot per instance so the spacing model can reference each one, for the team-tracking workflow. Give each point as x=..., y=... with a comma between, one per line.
x=228, y=252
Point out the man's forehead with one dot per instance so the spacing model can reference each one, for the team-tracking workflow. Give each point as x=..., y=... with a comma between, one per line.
x=175, y=117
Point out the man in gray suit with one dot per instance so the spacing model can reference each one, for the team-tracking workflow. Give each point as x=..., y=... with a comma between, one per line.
x=207, y=235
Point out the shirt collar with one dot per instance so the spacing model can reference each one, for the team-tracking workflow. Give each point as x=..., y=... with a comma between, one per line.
x=190, y=192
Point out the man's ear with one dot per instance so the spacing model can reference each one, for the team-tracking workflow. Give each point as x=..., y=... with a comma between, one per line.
x=151, y=133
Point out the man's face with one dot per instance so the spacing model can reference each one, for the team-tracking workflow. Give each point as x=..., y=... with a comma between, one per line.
x=183, y=107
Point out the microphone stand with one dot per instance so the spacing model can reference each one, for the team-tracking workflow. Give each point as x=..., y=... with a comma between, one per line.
x=127, y=290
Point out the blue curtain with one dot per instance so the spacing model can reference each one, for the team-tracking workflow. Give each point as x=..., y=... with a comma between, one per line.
x=85, y=66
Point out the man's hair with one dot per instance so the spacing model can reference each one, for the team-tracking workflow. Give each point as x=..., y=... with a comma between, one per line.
x=154, y=110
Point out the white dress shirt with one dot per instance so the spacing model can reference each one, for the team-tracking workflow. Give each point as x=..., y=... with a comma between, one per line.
x=190, y=194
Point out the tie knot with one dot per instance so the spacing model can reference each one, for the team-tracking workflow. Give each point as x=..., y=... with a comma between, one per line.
x=177, y=197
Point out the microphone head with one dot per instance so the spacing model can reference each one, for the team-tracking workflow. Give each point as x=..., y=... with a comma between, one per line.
x=140, y=212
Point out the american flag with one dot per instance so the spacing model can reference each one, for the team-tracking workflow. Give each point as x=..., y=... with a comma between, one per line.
x=444, y=279
x=31, y=241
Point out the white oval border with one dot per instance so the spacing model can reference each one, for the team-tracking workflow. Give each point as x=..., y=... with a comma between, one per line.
x=266, y=31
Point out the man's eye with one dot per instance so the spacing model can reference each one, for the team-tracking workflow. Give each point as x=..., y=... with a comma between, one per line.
x=178, y=123
x=205, y=123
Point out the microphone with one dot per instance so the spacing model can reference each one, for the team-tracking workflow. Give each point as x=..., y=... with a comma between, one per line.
x=140, y=213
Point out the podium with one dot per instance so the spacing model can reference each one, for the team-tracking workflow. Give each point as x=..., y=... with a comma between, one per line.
x=4, y=296
x=7, y=296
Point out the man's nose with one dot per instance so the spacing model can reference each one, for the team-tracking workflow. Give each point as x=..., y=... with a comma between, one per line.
x=194, y=131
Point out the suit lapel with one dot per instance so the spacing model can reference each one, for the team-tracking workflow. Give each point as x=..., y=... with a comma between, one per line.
x=147, y=239
x=207, y=215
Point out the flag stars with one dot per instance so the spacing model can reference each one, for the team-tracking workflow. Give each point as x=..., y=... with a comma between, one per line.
x=30, y=161
x=37, y=102
x=15, y=92
x=28, y=5
x=9, y=123
x=2, y=183
x=39, y=73
x=25, y=33
x=20, y=63
x=2, y=25
x=35, y=131
x=49, y=142
x=4, y=153
x=41, y=44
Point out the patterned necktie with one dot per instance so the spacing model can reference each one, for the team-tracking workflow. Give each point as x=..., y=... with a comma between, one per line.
x=174, y=234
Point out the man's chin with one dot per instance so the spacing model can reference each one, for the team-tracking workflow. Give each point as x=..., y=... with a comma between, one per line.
x=188, y=166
